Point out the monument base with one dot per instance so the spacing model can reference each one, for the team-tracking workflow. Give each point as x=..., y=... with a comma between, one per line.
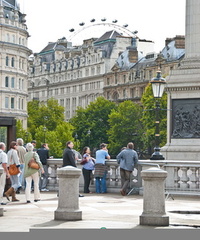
x=66, y=215
x=152, y=220
x=182, y=150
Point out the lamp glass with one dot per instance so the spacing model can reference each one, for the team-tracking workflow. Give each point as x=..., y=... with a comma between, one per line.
x=158, y=88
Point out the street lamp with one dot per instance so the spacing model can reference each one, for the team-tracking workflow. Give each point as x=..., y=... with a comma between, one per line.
x=158, y=85
x=89, y=132
x=44, y=130
x=76, y=137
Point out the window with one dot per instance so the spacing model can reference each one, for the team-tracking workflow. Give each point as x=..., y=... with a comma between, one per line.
x=22, y=84
x=22, y=104
x=7, y=61
x=7, y=82
x=12, y=103
x=19, y=103
x=62, y=102
x=108, y=81
x=12, y=82
x=6, y=102
x=13, y=62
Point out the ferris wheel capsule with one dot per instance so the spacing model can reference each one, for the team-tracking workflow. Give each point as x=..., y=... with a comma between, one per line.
x=92, y=20
x=125, y=25
x=82, y=24
x=71, y=30
x=103, y=19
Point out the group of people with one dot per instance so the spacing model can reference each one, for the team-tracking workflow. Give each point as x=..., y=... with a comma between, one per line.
x=26, y=177
x=37, y=179
x=127, y=159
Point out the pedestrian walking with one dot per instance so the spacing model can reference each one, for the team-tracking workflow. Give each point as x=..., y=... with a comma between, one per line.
x=13, y=159
x=5, y=174
x=43, y=153
x=127, y=159
x=100, y=171
x=21, y=150
x=32, y=174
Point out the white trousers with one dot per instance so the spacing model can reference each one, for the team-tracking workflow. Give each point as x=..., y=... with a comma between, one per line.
x=35, y=178
x=2, y=185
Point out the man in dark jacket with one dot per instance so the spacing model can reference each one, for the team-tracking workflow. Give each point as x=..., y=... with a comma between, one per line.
x=69, y=157
x=43, y=153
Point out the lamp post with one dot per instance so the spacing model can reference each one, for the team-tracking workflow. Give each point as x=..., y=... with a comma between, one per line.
x=158, y=85
x=44, y=130
x=89, y=132
x=76, y=137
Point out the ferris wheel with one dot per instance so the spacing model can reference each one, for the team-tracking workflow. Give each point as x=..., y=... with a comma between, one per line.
x=122, y=28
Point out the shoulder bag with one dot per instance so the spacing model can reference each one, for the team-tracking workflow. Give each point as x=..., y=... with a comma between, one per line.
x=33, y=164
x=13, y=169
x=83, y=161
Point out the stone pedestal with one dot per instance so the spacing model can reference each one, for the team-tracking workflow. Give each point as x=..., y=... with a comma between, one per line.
x=68, y=202
x=1, y=209
x=154, y=198
x=183, y=88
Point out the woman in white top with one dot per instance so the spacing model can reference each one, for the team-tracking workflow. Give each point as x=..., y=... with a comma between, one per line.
x=13, y=158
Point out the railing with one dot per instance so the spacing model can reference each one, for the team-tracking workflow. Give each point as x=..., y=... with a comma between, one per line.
x=183, y=176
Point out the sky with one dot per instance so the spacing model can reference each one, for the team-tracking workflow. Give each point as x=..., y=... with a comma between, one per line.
x=155, y=20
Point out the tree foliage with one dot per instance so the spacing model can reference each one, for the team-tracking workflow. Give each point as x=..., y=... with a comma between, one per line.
x=125, y=126
x=46, y=124
x=93, y=118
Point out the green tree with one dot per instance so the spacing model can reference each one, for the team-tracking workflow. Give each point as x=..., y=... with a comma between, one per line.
x=48, y=115
x=148, y=118
x=93, y=118
x=22, y=133
x=125, y=126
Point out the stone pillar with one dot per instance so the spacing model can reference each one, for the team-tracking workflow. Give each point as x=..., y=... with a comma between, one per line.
x=1, y=209
x=183, y=88
x=68, y=202
x=154, y=198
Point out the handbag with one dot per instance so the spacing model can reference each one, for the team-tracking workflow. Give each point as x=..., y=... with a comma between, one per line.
x=33, y=164
x=13, y=169
x=83, y=161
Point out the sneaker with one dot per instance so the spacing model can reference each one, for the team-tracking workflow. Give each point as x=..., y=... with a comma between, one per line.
x=28, y=201
x=3, y=203
x=36, y=200
x=44, y=190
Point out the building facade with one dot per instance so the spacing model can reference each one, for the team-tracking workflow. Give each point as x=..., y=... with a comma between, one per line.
x=75, y=75
x=13, y=62
x=133, y=70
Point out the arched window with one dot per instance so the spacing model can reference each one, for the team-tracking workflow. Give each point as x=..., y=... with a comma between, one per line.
x=12, y=82
x=115, y=96
x=7, y=61
x=6, y=81
x=13, y=62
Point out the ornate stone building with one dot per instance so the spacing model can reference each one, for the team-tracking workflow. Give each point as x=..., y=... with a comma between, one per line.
x=13, y=61
x=75, y=75
x=133, y=70
x=13, y=69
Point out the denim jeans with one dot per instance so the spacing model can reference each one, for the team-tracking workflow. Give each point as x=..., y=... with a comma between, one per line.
x=100, y=184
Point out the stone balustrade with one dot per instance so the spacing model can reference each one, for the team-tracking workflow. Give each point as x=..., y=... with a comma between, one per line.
x=183, y=176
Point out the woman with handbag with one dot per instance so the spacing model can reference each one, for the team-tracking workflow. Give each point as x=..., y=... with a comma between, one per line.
x=88, y=167
x=32, y=167
x=13, y=164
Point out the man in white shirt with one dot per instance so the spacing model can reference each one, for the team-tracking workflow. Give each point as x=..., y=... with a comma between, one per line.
x=3, y=164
